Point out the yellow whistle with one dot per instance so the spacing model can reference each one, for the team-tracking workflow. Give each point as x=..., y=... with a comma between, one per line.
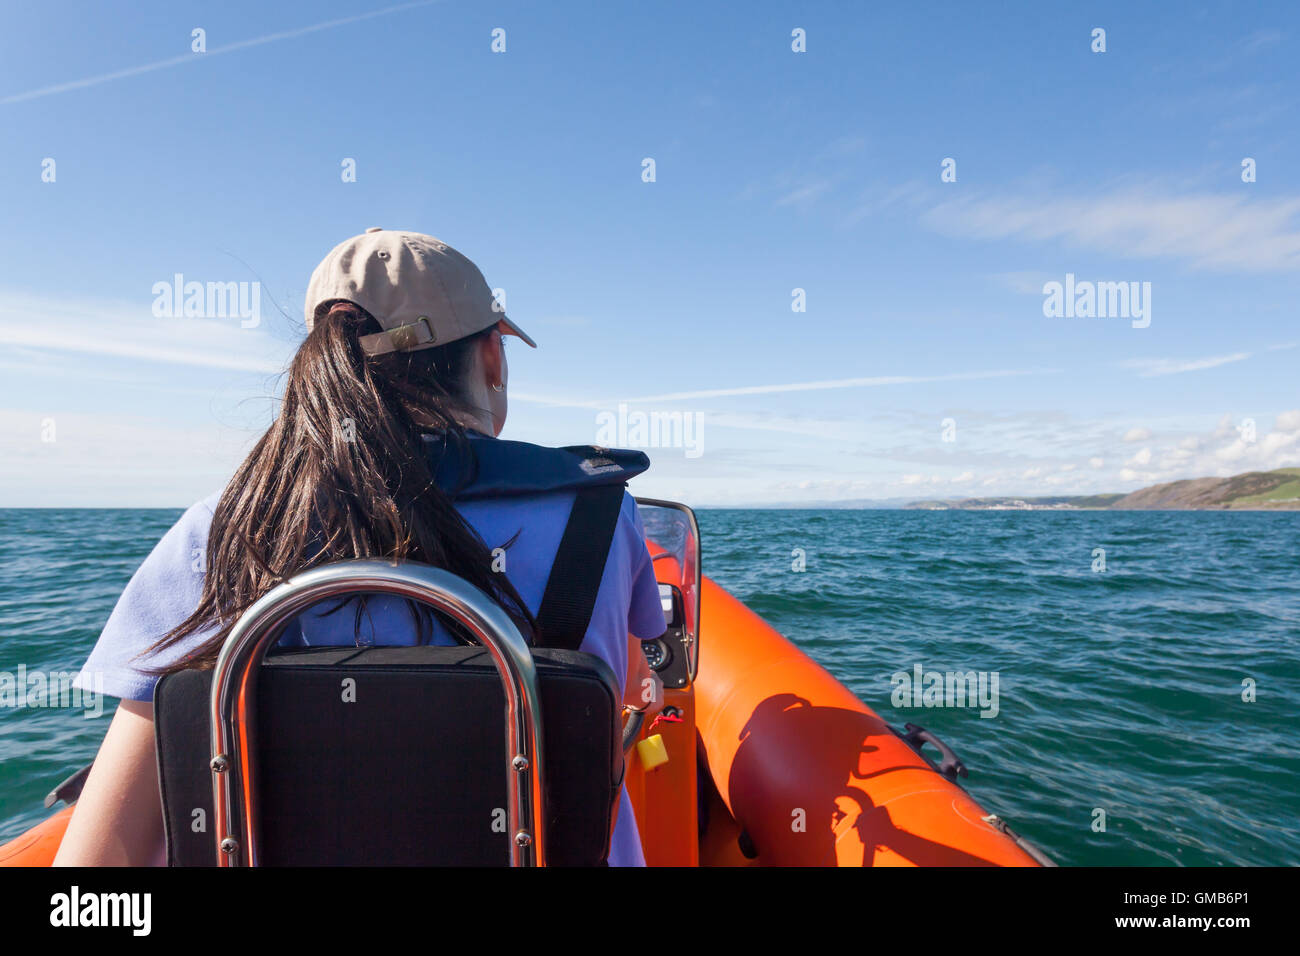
x=652, y=752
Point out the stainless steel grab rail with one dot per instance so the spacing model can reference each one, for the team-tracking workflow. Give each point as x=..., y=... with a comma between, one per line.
x=234, y=694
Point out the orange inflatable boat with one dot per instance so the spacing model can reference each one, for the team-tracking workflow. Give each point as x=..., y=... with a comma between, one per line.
x=755, y=755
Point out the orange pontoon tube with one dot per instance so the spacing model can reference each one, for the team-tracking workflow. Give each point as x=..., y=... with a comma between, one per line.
x=810, y=773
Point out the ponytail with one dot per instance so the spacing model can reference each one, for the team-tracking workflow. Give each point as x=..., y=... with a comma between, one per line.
x=343, y=473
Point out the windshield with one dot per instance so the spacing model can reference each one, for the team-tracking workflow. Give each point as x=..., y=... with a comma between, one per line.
x=673, y=538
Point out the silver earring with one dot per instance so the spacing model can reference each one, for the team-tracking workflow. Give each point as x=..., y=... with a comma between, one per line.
x=498, y=388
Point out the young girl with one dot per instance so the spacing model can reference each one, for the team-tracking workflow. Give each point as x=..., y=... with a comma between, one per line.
x=400, y=383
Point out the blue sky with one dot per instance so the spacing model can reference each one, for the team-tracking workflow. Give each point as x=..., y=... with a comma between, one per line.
x=775, y=171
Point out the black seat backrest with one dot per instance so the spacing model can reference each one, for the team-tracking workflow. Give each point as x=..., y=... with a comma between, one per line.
x=395, y=756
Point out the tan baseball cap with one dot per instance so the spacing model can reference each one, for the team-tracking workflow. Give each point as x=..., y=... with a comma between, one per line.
x=422, y=291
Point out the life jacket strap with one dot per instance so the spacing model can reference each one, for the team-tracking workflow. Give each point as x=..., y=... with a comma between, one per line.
x=579, y=565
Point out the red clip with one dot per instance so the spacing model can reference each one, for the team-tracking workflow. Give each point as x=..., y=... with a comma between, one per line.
x=666, y=718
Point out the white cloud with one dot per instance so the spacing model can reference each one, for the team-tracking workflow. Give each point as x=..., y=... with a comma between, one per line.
x=1137, y=434
x=1097, y=462
x=131, y=331
x=1276, y=442
x=1234, y=451
x=1220, y=452
x=919, y=479
x=1276, y=449
x=98, y=460
x=1023, y=283
x=804, y=195
x=1223, y=232
x=1149, y=368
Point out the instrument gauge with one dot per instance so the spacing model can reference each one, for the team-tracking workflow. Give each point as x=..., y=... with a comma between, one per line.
x=657, y=654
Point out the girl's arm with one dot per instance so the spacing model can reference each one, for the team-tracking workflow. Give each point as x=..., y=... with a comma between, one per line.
x=118, y=817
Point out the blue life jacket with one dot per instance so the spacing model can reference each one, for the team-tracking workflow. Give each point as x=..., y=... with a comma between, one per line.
x=499, y=468
x=484, y=467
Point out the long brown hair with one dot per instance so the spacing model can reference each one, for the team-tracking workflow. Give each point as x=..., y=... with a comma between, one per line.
x=343, y=473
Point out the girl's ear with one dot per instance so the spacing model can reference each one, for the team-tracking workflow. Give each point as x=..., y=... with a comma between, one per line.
x=489, y=353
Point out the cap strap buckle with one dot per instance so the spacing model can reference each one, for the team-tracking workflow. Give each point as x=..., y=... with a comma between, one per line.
x=401, y=339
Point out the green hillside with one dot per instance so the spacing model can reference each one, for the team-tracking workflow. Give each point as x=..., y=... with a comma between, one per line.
x=1277, y=490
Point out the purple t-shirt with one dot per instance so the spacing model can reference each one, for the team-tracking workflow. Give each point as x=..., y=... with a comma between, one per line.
x=166, y=590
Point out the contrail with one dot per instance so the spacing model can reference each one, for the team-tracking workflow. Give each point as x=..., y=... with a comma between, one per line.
x=195, y=57
x=831, y=383
x=1150, y=368
x=872, y=382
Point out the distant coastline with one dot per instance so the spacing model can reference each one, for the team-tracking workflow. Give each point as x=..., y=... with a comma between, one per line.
x=1277, y=490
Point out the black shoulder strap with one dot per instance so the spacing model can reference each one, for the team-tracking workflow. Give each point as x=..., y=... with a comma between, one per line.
x=570, y=594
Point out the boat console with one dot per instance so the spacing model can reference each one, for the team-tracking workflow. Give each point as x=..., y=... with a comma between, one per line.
x=663, y=773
